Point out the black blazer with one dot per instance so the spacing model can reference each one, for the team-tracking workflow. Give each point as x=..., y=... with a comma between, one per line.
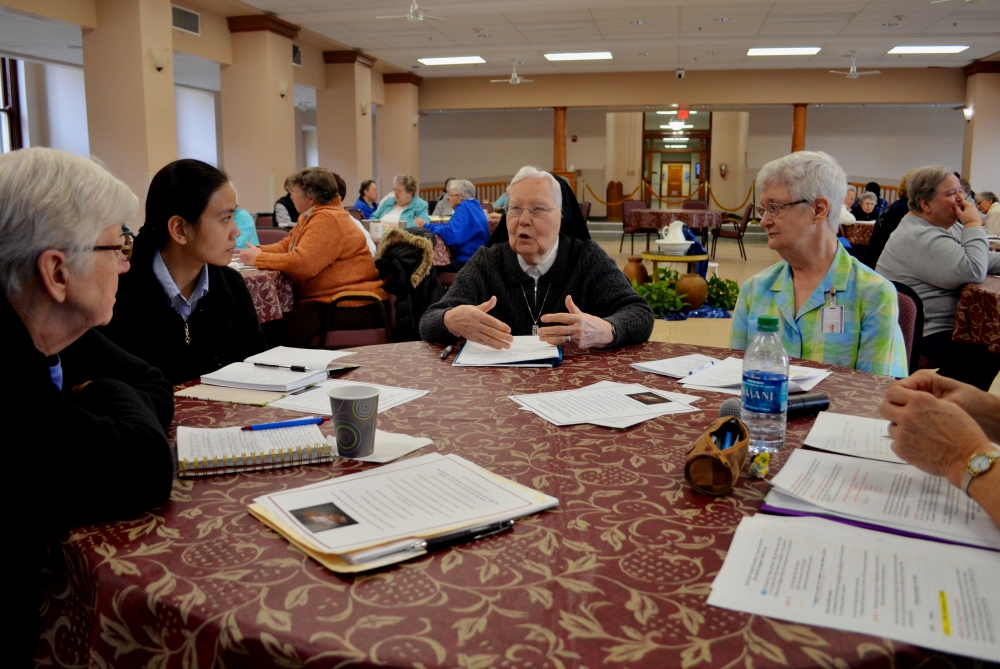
x=223, y=327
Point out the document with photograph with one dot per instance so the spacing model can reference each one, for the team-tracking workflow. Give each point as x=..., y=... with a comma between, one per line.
x=811, y=571
x=886, y=494
x=852, y=435
x=317, y=401
x=601, y=404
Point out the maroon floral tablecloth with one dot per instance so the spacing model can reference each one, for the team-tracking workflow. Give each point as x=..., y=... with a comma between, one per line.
x=617, y=576
x=271, y=292
x=658, y=218
x=859, y=234
x=977, y=318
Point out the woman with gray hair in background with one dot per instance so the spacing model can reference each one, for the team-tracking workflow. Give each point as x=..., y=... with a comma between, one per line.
x=468, y=229
x=832, y=309
x=404, y=207
x=96, y=414
x=865, y=209
x=926, y=254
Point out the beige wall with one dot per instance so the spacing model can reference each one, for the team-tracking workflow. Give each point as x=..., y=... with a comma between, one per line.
x=313, y=70
x=981, y=160
x=81, y=12
x=344, y=132
x=729, y=146
x=398, y=136
x=897, y=86
x=214, y=43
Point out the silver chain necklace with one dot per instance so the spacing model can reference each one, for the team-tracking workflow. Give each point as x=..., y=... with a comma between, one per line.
x=534, y=319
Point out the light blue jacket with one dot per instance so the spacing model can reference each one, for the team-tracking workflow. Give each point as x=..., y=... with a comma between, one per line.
x=416, y=209
x=248, y=231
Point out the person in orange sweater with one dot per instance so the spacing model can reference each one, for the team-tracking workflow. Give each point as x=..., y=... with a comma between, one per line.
x=325, y=254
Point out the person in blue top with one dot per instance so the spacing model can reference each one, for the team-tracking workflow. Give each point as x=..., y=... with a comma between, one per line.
x=367, y=197
x=403, y=206
x=248, y=229
x=468, y=228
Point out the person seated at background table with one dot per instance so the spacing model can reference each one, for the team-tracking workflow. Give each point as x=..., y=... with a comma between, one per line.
x=367, y=197
x=444, y=207
x=285, y=214
x=880, y=202
x=526, y=282
x=403, y=206
x=94, y=416
x=342, y=189
x=850, y=198
x=864, y=210
x=468, y=228
x=798, y=195
x=944, y=427
x=888, y=222
x=181, y=308
x=324, y=254
x=247, y=227
x=924, y=254
x=846, y=217
x=988, y=205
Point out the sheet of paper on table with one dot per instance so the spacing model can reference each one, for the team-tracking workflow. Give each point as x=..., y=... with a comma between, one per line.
x=622, y=423
x=240, y=267
x=676, y=368
x=389, y=446
x=525, y=351
x=410, y=500
x=317, y=401
x=727, y=377
x=316, y=359
x=607, y=404
x=852, y=435
x=886, y=494
x=811, y=571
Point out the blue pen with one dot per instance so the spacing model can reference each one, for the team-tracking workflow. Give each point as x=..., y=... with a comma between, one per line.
x=312, y=420
x=728, y=441
x=698, y=369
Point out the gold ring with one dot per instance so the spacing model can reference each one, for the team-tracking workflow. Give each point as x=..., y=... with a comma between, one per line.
x=568, y=338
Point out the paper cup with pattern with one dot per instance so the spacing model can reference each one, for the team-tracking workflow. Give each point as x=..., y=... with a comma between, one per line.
x=355, y=411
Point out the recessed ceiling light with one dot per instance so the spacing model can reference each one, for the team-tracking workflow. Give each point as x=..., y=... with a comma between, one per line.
x=484, y=35
x=722, y=19
x=889, y=25
x=785, y=51
x=638, y=22
x=928, y=49
x=595, y=55
x=712, y=53
x=454, y=60
x=644, y=53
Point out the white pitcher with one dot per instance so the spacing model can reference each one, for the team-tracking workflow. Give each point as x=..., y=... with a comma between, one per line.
x=674, y=233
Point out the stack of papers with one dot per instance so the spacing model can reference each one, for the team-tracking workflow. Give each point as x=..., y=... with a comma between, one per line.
x=382, y=516
x=727, y=377
x=277, y=377
x=607, y=404
x=892, y=497
x=676, y=368
x=525, y=351
x=310, y=358
x=814, y=572
x=852, y=435
x=317, y=401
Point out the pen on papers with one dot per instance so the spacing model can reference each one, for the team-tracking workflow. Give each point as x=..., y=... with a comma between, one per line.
x=465, y=536
x=294, y=368
x=312, y=420
x=446, y=352
x=698, y=369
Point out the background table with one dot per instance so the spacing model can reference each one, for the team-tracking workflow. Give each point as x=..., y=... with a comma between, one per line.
x=696, y=219
x=977, y=318
x=271, y=291
x=616, y=577
x=859, y=234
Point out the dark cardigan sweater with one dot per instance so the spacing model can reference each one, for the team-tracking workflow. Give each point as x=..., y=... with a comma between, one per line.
x=85, y=458
x=581, y=269
x=223, y=326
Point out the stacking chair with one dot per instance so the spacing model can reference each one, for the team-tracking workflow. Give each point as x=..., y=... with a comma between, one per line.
x=911, y=322
x=585, y=210
x=329, y=338
x=265, y=219
x=695, y=204
x=487, y=207
x=355, y=213
x=628, y=206
x=739, y=229
x=271, y=235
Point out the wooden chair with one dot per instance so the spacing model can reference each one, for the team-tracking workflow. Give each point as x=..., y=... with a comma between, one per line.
x=271, y=235
x=911, y=322
x=329, y=338
x=739, y=229
x=627, y=207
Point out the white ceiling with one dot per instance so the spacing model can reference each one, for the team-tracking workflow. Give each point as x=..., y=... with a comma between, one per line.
x=675, y=33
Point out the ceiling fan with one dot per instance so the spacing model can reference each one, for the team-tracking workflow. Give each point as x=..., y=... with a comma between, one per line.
x=416, y=14
x=853, y=73
x=514, y=79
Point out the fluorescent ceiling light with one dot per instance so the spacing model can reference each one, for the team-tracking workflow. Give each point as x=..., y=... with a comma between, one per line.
x=675, y=146
x=666, y=112
x=596, y=55
x=676, y=125
x=785, y=51
x=927, y=49
x=457, y=60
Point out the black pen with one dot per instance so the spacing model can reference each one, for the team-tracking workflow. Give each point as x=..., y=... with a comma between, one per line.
x=465, y=536
x=446, y=352
x=294, y=368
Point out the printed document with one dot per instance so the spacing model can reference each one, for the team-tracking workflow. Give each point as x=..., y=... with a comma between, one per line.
x=727, y=377
x=525, y=351
x=890, y=495
x=310, y=358
x=600, y=404
x=317, y=401
x=811, y=571
x=852, y=435
x=676, y=368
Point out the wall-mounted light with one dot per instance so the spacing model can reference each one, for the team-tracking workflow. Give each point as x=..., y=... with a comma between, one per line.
x=160, y=58
x=968, y=113
x=416, y=120
x=282, y=88
x=365, y=108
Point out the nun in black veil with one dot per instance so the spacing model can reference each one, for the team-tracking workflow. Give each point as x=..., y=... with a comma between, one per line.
x=573, y=223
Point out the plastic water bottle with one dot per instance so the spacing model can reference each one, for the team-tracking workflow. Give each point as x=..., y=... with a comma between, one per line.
x=765, y=388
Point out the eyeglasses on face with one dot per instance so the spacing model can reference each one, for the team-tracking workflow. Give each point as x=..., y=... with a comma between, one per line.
x=775, y=208
x=125, y=248
x=513, y=211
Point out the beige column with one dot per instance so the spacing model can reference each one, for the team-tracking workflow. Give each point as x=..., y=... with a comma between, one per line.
x=559, y=141
x=729, y=148
x=397, y=129
x=981, y=152
x=799, y=128
x=623, y=151
x=258, y=109
x=129, y=78
x=343, y=116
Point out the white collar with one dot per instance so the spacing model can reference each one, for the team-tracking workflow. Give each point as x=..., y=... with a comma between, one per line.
x=536, y=271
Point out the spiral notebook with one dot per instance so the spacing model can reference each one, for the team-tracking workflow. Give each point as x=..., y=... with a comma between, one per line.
x=226, y=450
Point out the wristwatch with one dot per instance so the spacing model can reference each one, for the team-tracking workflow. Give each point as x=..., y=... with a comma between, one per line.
x=979, y=463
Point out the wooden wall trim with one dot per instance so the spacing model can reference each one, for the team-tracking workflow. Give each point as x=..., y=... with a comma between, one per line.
x=982, y=66
x=349, y=57
x=401, y=78
x=262, y=22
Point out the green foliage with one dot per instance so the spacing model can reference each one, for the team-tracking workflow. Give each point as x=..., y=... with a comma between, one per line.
x=661, y=296
x=669, y=276
x=722, y=293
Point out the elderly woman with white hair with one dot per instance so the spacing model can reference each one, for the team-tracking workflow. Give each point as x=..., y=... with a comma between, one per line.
x=95, y=414
x=831, y=307
x=526, y=282
x=468, y=228
x=404, y=207
x=866, y=207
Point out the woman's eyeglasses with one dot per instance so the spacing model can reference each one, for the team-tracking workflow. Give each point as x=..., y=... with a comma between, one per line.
x=125, y=248
x=775, y=208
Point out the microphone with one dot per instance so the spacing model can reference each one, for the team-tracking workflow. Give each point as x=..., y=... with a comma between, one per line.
x=799, y=405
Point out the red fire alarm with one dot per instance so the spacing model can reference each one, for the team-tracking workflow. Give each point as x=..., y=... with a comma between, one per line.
x=573, y=138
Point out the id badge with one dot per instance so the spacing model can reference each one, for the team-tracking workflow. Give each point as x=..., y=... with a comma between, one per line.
x=833, y=319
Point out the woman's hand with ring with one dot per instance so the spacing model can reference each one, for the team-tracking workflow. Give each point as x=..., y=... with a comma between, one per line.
x=579, y=329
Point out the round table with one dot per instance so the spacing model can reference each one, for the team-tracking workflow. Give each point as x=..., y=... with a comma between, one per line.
x=657, y=258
